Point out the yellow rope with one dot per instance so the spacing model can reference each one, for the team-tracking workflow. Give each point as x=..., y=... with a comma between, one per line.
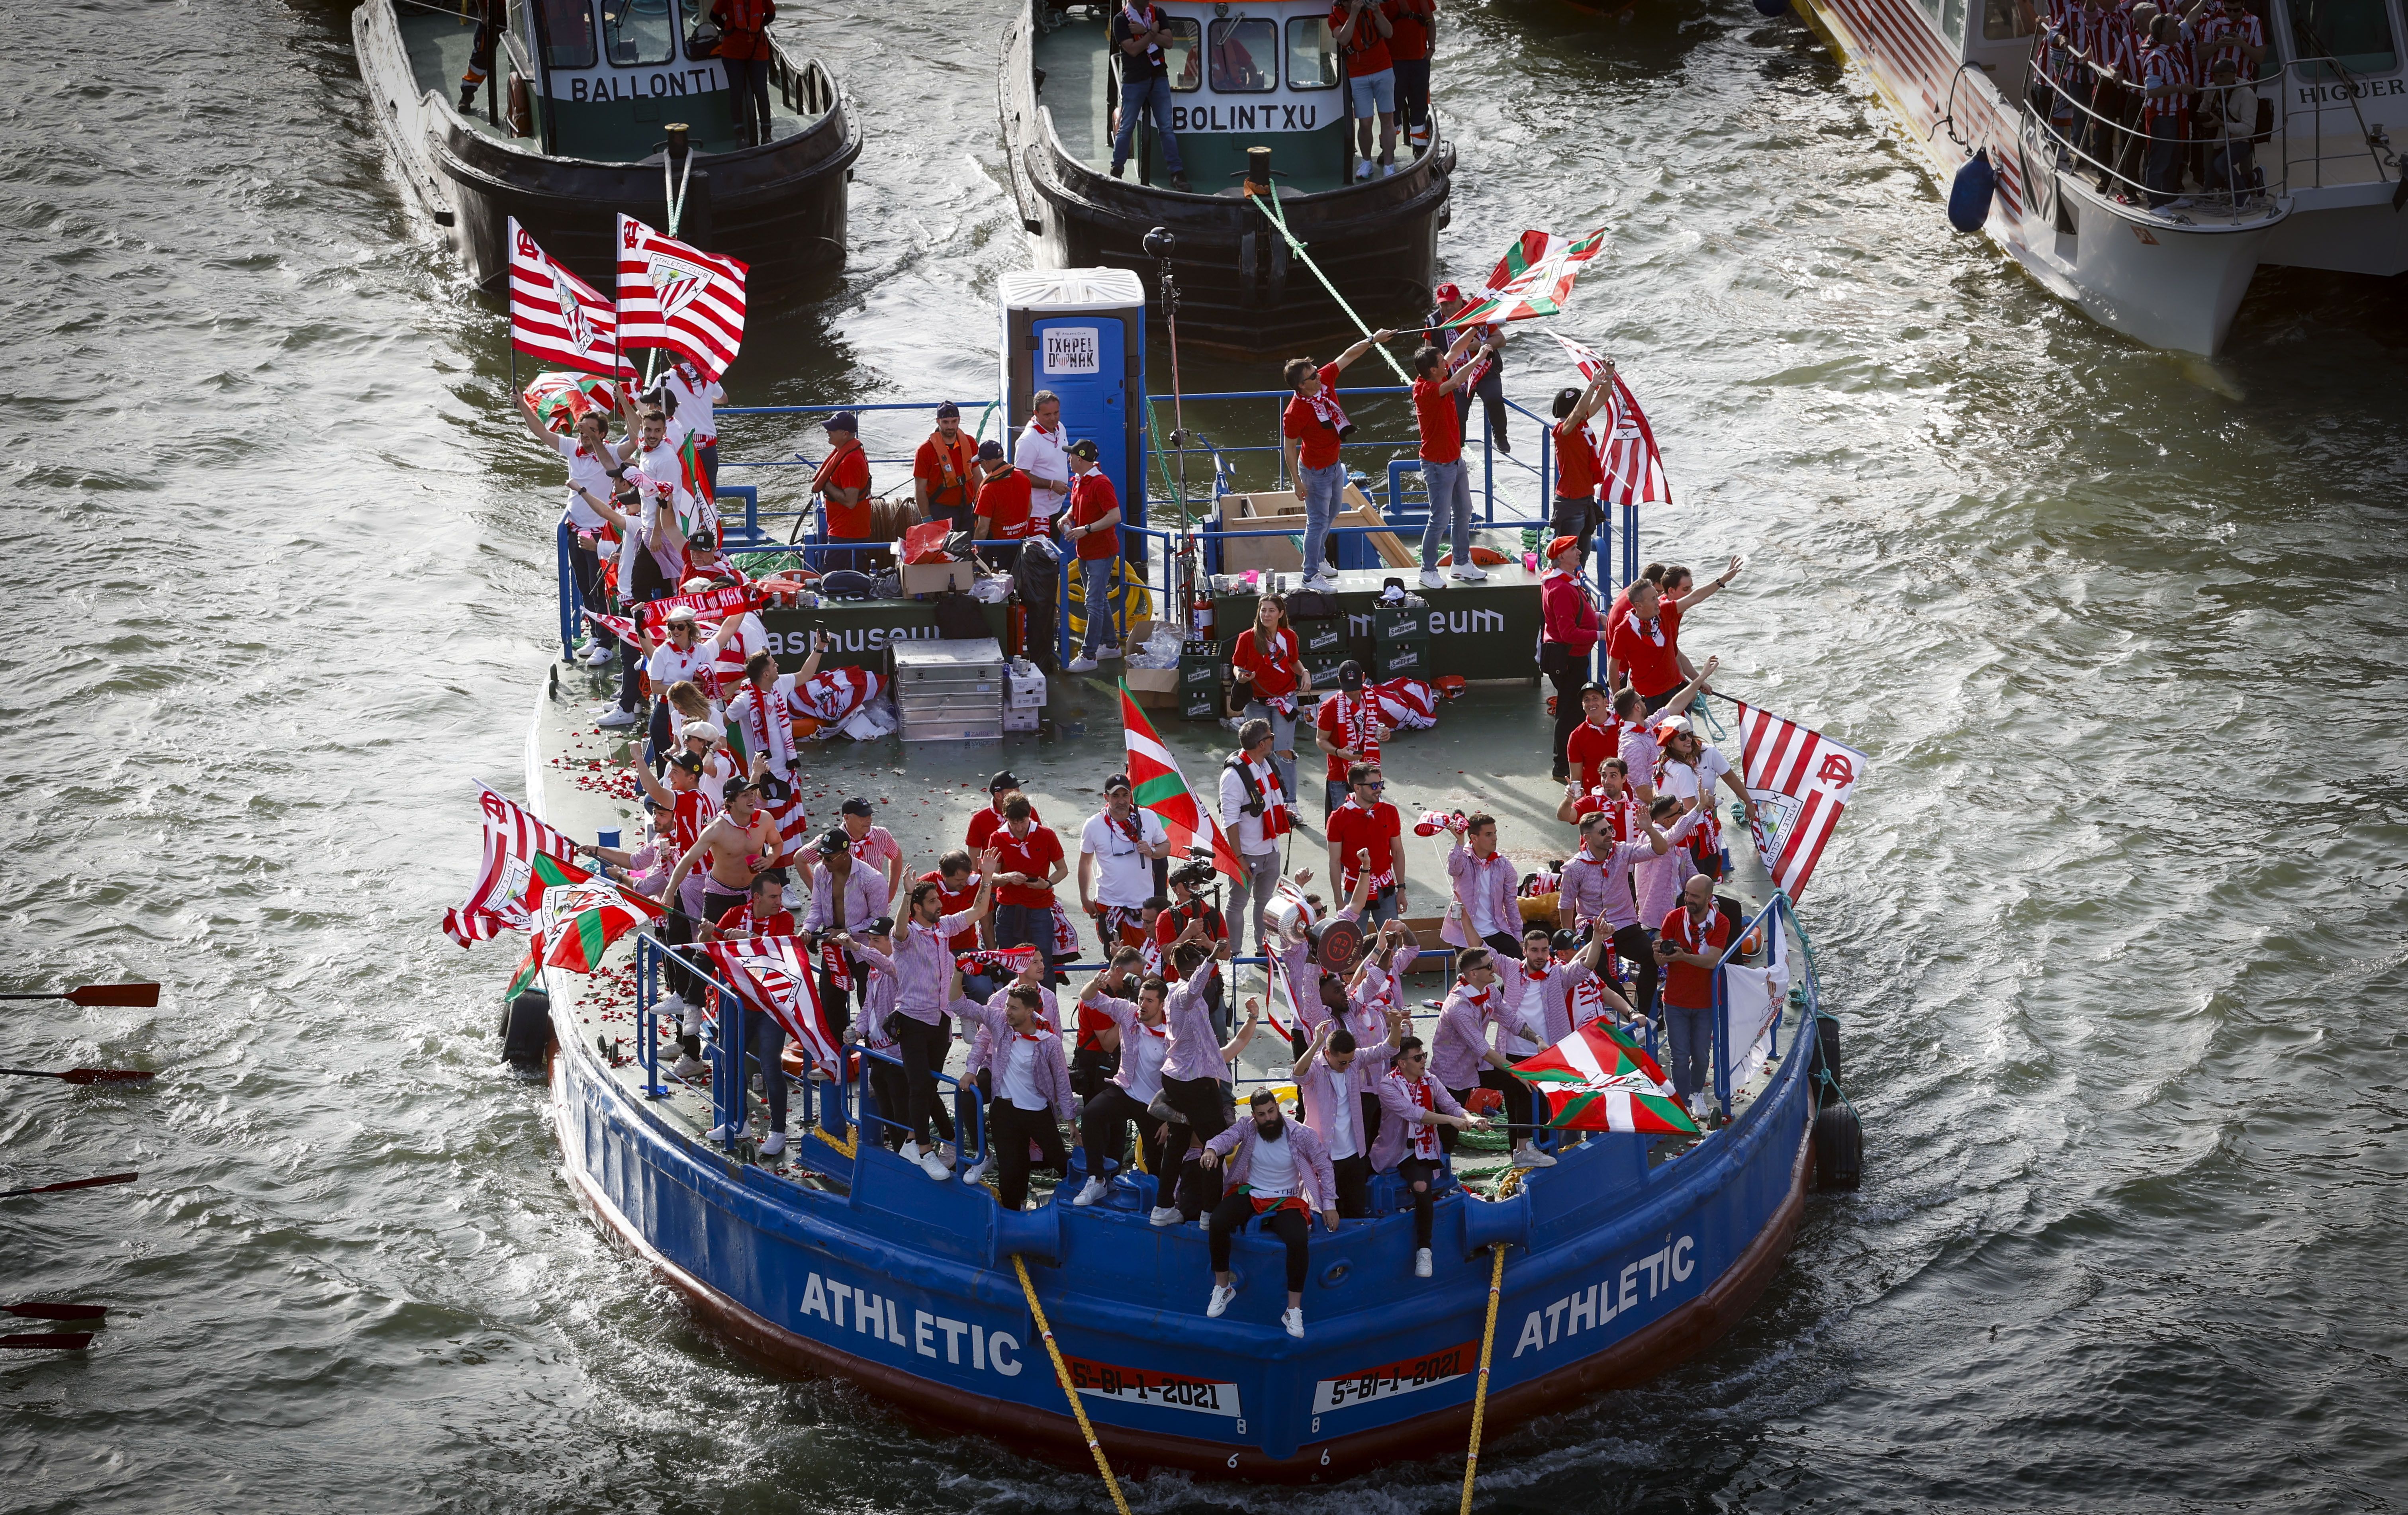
x=1479, y=1392
x=1063, y=1374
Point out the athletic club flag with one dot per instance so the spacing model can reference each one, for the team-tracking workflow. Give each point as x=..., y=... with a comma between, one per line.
x=1801, y=780
x=1153, y=775
x=582, y=914
x=557, y=315
x=1533, y=278
x=678, y=297
x=1596, y=1080
x=498, y=899
x=1633, y=468
x=771, y=975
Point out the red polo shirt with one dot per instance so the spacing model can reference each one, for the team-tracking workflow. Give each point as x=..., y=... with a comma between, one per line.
x=952, y=902
x=1004, y=504
x=1298, y=421
x=1093, y=498
x=1687, y=985
x=1651, y=658
x=984, y=824
x=1035, y=855
x=849, y=470
x=1434, y=417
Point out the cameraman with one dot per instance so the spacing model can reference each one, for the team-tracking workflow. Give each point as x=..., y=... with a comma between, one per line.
x=1190, y=903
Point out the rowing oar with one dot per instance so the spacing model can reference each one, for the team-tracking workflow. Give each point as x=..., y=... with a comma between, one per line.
x=38, y=1309
x=72, y=1183
x=73, y=1341
x=140, y=996
x=85, y=1074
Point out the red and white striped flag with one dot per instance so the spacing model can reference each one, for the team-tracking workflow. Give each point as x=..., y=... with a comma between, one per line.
x=1801, y=780
x=557, y=315
x=1634, y=470
x=772, y=976
x=680, y=297
x=1281, y=1007
x=496, y=901
x=1533, y=278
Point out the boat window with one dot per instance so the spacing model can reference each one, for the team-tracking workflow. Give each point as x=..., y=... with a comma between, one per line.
x=1181, y=59
x=2356, y=34
x=698, y=17
x=1952, y=21
x=1235, y=46
x=2002, y=21
x=1312, y=57
x=567, y=33
x=638, y=31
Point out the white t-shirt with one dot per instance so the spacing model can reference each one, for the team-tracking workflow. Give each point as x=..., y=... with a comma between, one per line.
x=1019, y=1081
x=1527, y=1031
x=1342, y=1119
x=1124, y=874
x=671, y=662
x=1043, y=455
x=693, y=402
x=1142, y=1055
x=1697, y=782
x=589, y=471
x=1272, y=1175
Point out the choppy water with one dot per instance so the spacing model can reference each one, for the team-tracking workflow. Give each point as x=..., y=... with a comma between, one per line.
x=2117, y=926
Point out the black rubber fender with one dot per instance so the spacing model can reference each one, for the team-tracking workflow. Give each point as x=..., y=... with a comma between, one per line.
x=1825, y=1066
x=526, y=1031
x=1839, y=1149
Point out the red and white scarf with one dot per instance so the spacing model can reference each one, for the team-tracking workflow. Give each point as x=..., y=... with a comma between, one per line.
x=1143, y=23
x=1326, y=408
x=1424, y=1135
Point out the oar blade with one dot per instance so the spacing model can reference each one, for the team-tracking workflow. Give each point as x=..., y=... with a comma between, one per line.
x=137, y=996
x=72, y=1341
x=72, y=1183
x=43, y=1309
x=106, y=1076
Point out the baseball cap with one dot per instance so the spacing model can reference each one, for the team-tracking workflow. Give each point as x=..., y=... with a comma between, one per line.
x=949, y=409
x=736, y=786
x=855, y=806
x=1562, y=545
x=1350, y=675
x=1118, y=781
x=1566, y=400
x=990, y=451
x=1002, y=781
x=687, y=760
x=1448, y=294
x=833, y=842
x=1082, y=447
x=843, y=421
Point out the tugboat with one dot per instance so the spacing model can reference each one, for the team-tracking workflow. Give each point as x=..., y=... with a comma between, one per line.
x=1266, y=76
x=573, y=125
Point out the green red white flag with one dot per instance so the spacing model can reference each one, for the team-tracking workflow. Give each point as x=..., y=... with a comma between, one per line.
x=499, y=899
x=1599, y=1079
x=582, y=914
x=1533, y=278
x=1154, y=777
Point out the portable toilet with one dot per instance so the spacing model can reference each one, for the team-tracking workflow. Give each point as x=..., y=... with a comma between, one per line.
x=1080, y=332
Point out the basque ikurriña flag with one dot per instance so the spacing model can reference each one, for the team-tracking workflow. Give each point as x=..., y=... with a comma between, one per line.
x=558, y=317
x=680, y=297
x=1632, y=467
x=1599, y=1079
x=497, y=901
x=1153, y=775
x=1533, y=278
x=773, y=978
x=1801, y=780
x=583, y=915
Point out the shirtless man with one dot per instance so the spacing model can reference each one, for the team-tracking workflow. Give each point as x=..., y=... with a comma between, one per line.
x=739, y=843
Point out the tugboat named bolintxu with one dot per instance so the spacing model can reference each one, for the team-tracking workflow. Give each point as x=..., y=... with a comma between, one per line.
x=563, y=115
x=1235, y=80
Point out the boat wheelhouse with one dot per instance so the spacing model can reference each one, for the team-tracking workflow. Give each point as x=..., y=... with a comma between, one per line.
x=1242, y=78
x=2070, y=206
x=576, y=124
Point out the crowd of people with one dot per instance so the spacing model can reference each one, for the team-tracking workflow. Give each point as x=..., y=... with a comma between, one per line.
x=976, y=944
x=2158, y=95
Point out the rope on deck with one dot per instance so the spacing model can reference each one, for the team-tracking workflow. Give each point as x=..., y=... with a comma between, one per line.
x=1063, y=1375
x=1267, y=201
x=1480, y=1392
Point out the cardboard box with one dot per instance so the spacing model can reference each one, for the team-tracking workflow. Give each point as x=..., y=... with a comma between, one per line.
x=1021, y=719
x=1247, y=512
x=1028, y=691
x=1154, y=689
x=937, y=578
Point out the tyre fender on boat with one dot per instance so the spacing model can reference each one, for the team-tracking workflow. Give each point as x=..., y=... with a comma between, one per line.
x=1825, y=1068
x=1772, y=7
x=1839, y=1148
x=1969, y=197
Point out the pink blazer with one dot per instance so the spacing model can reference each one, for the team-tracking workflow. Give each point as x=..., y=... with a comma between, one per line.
x=1497, y=880
x=1398, y=1110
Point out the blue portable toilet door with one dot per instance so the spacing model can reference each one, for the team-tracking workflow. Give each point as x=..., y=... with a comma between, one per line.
x=1081, y=359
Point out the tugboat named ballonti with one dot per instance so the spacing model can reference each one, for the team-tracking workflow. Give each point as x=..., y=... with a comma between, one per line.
x=571, y=115
x=1270, y=76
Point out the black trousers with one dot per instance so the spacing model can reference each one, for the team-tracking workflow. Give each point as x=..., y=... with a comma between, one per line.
x=1503, y=943
x=1491, y=390
x=1568, y=671
x=892, y=1092
x=1287, y=1224
x=1354, y=1175
x=1199, y=1100
x=677, y=930
x=1517, y=1101
x=1103, y=1125
x=922, y=1048
x=748, y=80
x=717, y=902
x=585, y=562
x=1419, y=1174
x=1412, y=94
x=1010, y=1130
x=1634, y=945
x=1370, y=1121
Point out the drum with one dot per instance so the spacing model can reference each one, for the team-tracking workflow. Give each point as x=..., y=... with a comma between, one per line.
x=1337, y=944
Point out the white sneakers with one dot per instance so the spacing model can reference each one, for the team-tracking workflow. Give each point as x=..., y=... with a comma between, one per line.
x=1387, y=170
x=1293, y=1318
x=1321, y=583
x=773, y=1144
x=1362, y=169
x=1470, y=573
x=1091, y=1192
x=690, y=1068
x=1082, y=663
x=1163, y=1215
x=669, y=1007
x=1107, y=652
x=617, y=720
x=1420, y=1263
x=1222, y=1294
x=1430, y=579
x=599, y=653
x=931, y=1164
x=725, y=1132
x=1528, y=1156
x=975, y=1174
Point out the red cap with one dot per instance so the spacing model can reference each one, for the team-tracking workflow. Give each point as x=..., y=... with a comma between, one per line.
x=1448, y=294
x=1560, y=546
